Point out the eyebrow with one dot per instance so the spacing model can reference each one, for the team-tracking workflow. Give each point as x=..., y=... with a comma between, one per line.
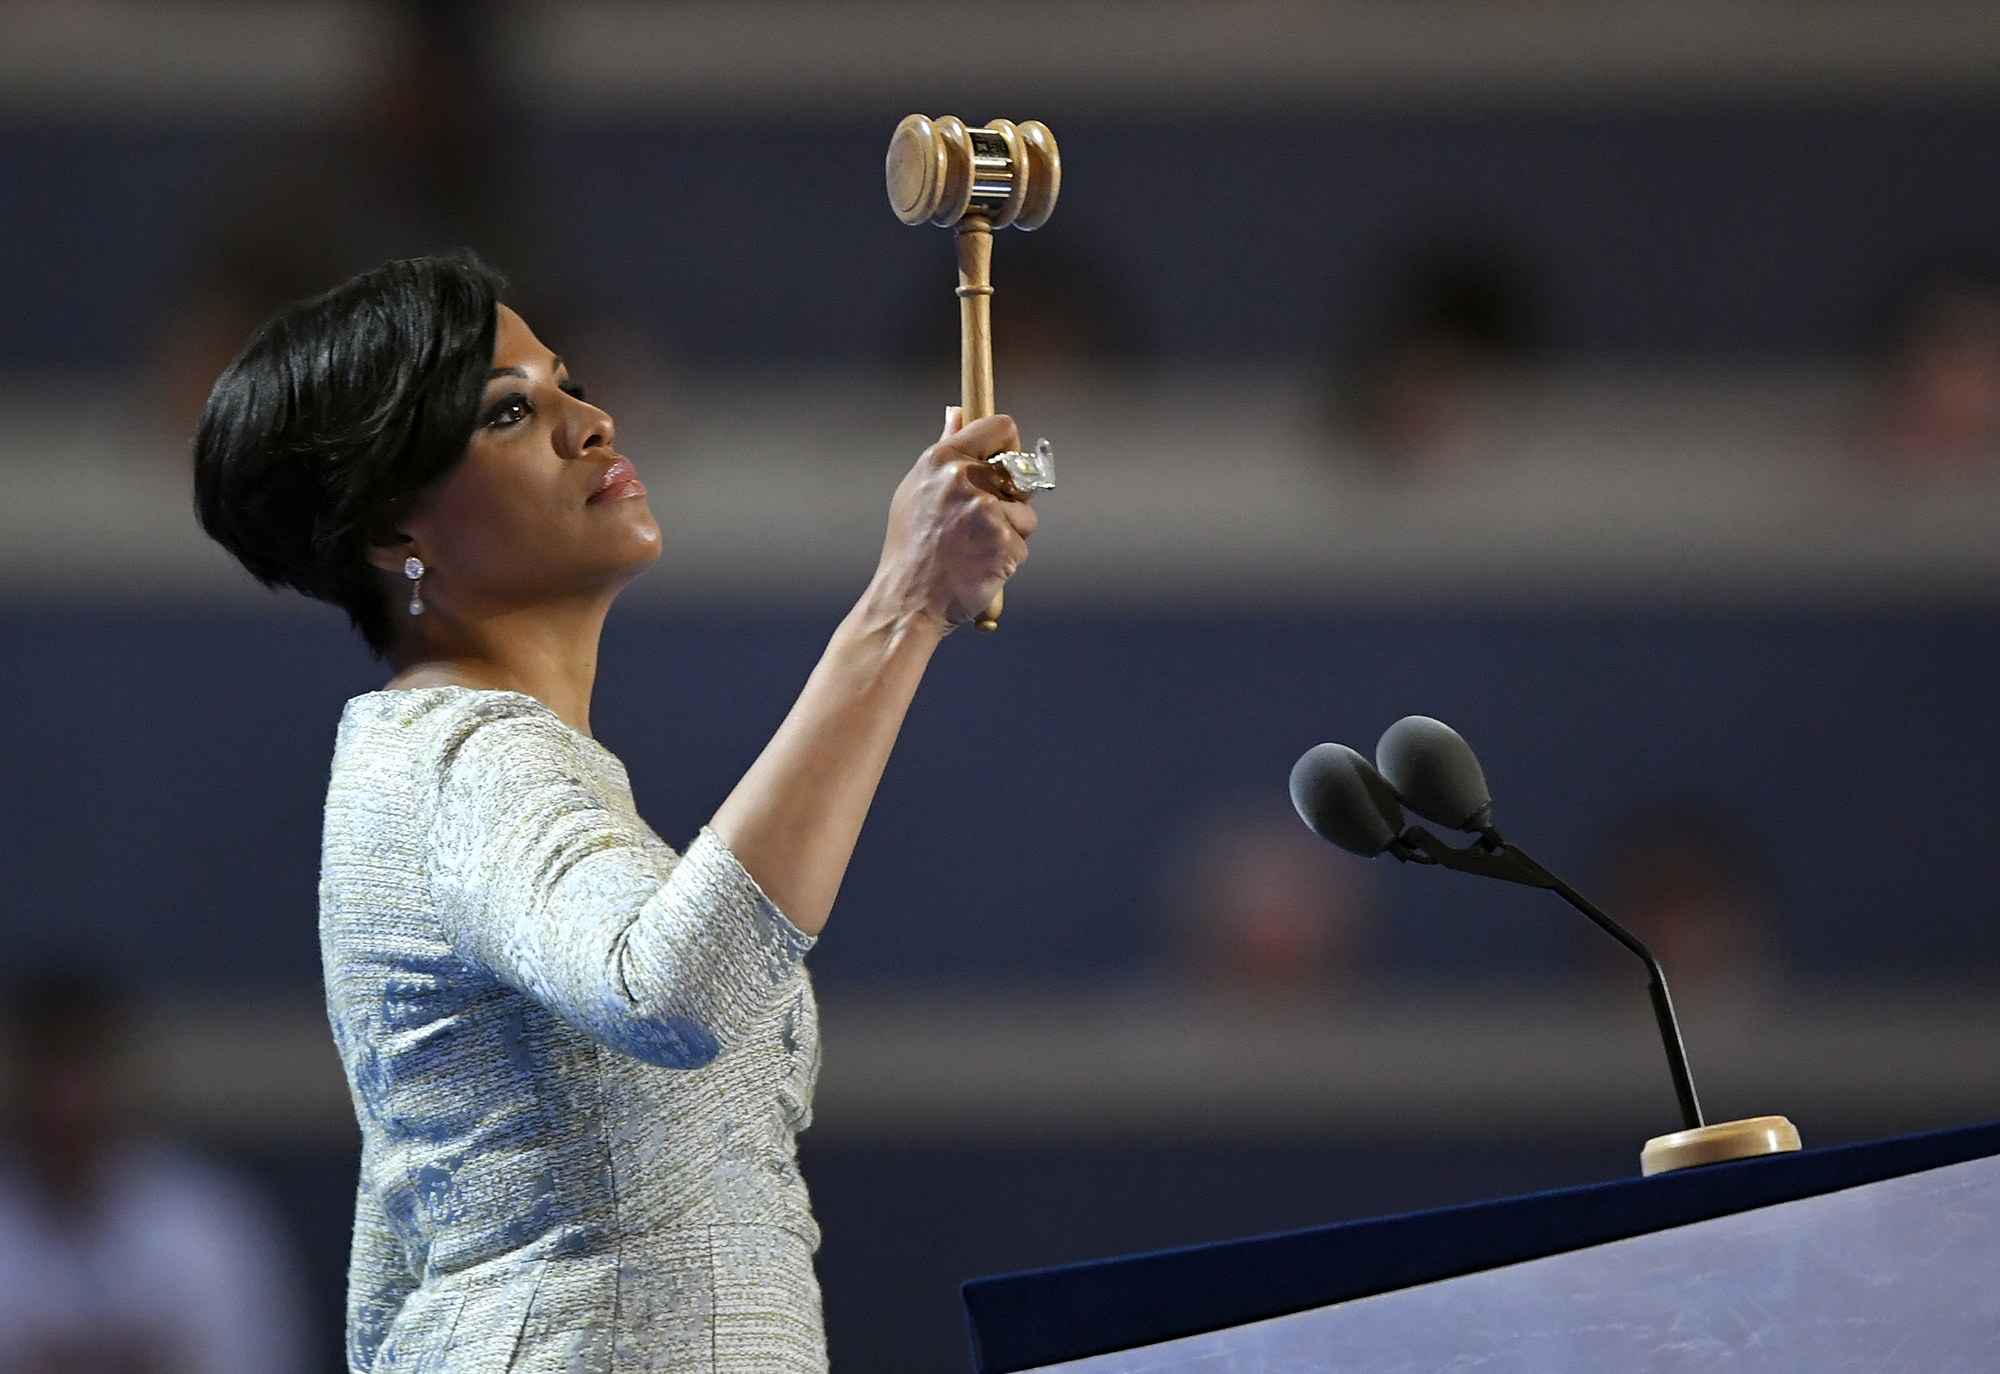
x=555, y=366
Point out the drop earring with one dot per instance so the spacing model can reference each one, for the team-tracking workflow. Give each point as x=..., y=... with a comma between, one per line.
x=413, y=568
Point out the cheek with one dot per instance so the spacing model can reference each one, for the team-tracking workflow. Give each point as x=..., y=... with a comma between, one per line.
x=508, y=525
x=497, y=520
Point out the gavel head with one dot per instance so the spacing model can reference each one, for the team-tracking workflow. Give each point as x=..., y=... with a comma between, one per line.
x=941, y=171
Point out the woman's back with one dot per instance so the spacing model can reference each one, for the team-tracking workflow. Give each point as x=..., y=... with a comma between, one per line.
x=578, y=1060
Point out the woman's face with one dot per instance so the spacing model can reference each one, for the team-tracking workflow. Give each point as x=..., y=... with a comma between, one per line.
x=542, y=507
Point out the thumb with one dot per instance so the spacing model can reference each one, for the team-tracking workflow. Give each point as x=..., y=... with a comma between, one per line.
x=954, y=421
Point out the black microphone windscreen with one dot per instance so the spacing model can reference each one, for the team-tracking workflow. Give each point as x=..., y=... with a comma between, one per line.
x=1435, y=773
x=1341, y=796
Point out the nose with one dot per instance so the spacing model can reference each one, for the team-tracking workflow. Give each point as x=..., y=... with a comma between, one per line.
x=584, y=428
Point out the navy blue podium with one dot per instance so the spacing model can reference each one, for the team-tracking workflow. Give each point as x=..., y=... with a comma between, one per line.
x=1877, y=1256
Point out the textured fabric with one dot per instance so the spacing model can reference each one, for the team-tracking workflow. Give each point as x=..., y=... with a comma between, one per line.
x=579, y=1060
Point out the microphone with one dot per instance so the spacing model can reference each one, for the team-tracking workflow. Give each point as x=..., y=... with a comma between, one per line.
x=1427, y=766
x=1435, y=772
x=1341, y=796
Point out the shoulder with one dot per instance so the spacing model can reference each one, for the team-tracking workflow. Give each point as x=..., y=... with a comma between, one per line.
x=478, y=755
x=436, y=727
x=412, y=713
x=402, y=758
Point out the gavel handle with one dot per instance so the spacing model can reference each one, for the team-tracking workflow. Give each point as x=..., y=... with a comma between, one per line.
x=975, y=345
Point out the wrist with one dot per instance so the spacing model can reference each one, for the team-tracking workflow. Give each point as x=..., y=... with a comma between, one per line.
x=899, y=623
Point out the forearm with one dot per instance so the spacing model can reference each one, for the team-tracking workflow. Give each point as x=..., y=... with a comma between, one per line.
x=793, y=820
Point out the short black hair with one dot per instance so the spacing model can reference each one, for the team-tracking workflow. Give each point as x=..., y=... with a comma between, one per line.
x=338, y=413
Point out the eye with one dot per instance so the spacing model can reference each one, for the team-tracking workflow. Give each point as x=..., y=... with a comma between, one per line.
x=509, y=410
x=572, y=388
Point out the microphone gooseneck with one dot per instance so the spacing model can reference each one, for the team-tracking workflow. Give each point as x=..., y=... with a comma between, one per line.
x=1656, y=988
x=1493, y=856
x=1428, y=767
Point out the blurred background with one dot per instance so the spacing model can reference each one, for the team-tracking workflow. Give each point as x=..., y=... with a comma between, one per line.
x=1618, y=380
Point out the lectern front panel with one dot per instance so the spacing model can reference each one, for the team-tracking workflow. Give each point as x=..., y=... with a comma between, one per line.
x=1896, y=1275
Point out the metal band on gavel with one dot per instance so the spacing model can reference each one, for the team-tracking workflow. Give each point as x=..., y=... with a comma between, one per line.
x=974, y=181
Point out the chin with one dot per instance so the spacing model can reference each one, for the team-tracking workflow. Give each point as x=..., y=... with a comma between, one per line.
x=646, y=558
x=618, y=545
x=639, y=548
x=635, y=532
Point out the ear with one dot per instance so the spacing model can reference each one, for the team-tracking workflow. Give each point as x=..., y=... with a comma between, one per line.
x=389, y=557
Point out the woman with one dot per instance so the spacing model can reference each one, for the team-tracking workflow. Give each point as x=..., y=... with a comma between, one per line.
x=578, y=1059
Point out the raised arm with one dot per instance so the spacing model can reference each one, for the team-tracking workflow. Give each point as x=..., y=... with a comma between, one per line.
x=794, y=818
x=540, y=875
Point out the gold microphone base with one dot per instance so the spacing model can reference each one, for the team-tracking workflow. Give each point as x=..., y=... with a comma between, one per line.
x=1717, y=1144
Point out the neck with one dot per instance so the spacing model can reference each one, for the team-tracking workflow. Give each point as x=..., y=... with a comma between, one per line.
x=546, y=651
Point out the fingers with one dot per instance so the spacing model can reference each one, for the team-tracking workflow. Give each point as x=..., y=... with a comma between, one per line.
x=1018, y=510
x=954, y=538
x=971, y=445
x=992, y=528
x=1003, y=554
x=981, y=439
x=998, y=528
x=1010, y=540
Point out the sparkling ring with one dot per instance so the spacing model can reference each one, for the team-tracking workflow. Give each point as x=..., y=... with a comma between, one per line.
x=1023, y=474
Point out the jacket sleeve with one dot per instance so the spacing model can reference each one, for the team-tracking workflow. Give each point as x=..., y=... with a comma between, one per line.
x=378, y=1280
x=539, y=879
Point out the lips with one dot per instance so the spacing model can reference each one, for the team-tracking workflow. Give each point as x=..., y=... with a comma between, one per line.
x=618, y=482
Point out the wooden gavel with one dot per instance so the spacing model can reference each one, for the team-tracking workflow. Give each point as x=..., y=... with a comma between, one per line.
x=974, y=181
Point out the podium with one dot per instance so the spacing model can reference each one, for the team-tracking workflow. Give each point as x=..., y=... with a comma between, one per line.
x=1875, y=1256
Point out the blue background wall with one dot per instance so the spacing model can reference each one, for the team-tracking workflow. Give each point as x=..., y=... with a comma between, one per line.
x=165, y=765
x=1776, y=229
x=166, y=772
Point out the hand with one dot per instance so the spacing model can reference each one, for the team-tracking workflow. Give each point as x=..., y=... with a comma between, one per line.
x=953, y=539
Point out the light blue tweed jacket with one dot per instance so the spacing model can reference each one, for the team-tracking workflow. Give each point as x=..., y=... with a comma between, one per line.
x=579, y=1060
